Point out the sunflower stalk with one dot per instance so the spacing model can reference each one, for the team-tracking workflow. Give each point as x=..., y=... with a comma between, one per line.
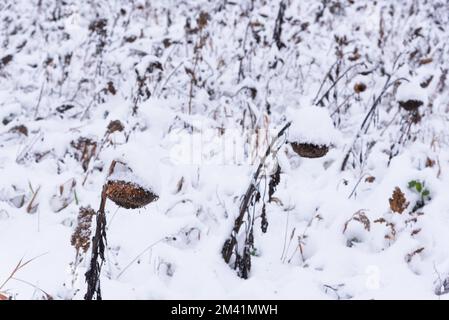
x=252, y=196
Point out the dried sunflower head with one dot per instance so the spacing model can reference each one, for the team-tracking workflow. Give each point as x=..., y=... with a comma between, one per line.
x=309, y=150
x=128, y=194
x=411, y=105
x=125, y=189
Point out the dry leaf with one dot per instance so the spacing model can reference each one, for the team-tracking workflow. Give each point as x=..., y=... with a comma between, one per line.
x=370, y=179
x=359, y=87
x=430, y=163
x=361, y=217
x=202, y=19
x=64, y=197
x=398, y=202
x=81, y=236
x=115, y=126
x=179, y=185
x=380, y=220
x=277, y=201
x=425, y=61
x=410, y=256
x=85, y=150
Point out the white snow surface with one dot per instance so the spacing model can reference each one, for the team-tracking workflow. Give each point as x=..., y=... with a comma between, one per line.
x=312, y=125
x=199, y=105
x=412, y=91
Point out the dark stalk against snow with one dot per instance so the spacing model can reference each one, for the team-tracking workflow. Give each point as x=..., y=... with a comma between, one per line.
x=99, y=242
x=252, y=195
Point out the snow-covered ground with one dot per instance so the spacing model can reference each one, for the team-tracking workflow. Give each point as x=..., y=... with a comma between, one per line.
x=189, y=95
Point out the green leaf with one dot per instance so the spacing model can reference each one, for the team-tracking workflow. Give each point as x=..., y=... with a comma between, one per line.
x=412, y=184
x=419, y=187
x=76, y=197
x=425, y=193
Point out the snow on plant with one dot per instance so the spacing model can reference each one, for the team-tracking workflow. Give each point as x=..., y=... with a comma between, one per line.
x=191, y=94
x=307, y=139
x=423, y=193
x=125, y=190
x=241, y=246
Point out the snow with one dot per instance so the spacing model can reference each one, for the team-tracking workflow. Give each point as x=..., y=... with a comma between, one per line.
x=197, y=141
x=132, y=178
x=312, y=125
x=411, y=91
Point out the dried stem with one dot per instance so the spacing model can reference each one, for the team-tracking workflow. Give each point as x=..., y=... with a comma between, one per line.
x=98, y=245
x=230, y=244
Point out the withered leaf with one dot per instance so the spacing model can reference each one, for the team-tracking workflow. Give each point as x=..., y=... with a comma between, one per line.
x=370, y=179
x=361, y=217
x=398, y=202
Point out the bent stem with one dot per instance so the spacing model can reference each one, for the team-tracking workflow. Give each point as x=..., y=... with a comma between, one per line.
x=229, y=247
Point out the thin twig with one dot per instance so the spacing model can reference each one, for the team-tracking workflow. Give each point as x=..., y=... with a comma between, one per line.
x=320, y=101
x=48, y=296
x=19, y=266
x=139, y=255
x=39, y=101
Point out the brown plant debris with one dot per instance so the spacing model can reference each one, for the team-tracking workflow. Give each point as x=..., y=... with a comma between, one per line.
x=442, y=287
x=380, y=220
x=410, y=255
x=64, y=196
x=430, y=163
x=361, y=217
x=275, y=178
x=392, y=234
x=424, y=84
x=34, y=203
x=411, y=105
x=370, y=179
x=111, y=88
x=98, y=25
x=5, y=60
x=264, y=220
x=202, y=20
x=359, y=87
x=115, y=126
x=64, y=107
x=355, y=55
x=425, y=61
x=86, y=150
x=179, y=185
x=398, y=202
x=309, y=150
x=81, y=236
x=128, y=195
x=19, y=129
